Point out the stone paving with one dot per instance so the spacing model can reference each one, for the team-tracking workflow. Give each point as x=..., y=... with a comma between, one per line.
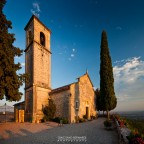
x=91, y=132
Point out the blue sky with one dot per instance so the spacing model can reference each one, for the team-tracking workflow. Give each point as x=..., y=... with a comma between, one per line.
x=76, y=27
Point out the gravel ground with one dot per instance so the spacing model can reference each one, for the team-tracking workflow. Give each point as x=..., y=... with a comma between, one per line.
x=91, y=132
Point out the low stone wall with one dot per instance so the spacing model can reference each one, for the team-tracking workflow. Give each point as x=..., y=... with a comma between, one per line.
x=123, y=132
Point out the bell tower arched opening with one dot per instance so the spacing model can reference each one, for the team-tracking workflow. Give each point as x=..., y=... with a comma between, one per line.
x=42, y=39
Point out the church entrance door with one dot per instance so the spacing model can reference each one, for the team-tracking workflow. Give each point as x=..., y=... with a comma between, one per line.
x=87, y=112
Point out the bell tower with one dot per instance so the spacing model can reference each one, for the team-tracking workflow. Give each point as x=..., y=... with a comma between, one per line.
x=38, y=66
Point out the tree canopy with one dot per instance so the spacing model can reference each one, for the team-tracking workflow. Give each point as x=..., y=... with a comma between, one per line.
x=98, y=102
x=10, y=81
x=107, y=93
x=49, y=110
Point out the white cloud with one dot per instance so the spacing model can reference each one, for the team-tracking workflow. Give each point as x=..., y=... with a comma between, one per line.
x=129, y=72
x=73, y=50
x=72, y=55
x=36, y=9
x=118, y=28
x=129, y=80
x=119, y=61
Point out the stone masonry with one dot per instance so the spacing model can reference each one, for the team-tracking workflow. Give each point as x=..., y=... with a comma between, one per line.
x=38, y=66
x=76, y=99
x=73, y=100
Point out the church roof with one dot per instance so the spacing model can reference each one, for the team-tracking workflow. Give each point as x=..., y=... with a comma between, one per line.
x=63, y=88
x=33, y=16
x=20, y=103
x=67, y=87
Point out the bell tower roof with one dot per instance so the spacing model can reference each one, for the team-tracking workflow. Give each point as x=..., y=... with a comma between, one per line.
x=31, y=19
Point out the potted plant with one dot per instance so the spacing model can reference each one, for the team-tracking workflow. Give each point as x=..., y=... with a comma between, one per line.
x=108, y=124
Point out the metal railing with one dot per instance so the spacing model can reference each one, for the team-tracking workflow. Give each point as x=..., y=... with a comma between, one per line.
x=6, y=113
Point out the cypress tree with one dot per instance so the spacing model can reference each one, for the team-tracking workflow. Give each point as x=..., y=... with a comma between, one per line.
x=107, y=93
x=10, y=81
x=99, y=104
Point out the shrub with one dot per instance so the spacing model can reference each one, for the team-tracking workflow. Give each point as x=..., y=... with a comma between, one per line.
x=135, y=137
x=43, y=120
x=65, y=120
x=49, y=110
x=81, y=120
x=121, y=123
x=136, y=140
x=136, y=124
x=84, y=116
x=107, y=123
x=57, y=119
x=117, y=116
x=93, y=117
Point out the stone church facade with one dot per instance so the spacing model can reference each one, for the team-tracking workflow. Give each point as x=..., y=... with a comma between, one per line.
x=73, y=100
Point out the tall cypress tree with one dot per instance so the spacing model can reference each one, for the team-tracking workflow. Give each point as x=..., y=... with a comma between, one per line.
x=107, y=93
x=10, y=81
x=99, y=104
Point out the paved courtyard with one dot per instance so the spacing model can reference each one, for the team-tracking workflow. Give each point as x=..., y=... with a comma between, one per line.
x=91, y=132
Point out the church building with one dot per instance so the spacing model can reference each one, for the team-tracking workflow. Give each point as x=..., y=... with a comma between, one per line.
x=73, y=100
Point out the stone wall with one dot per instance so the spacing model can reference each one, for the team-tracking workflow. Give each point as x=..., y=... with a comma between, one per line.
x=28, y=104
x=42, y=100
x=42, y=66
x=42, y=56
x=86, y=96
x=29, y=65
x=61, y=99
x=74, y=89
x=38, y=65
x=70, y=100
x=39, y=27
x=83, y=94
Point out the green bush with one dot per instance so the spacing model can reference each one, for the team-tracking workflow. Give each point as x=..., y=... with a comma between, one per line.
x=81, y=120
x=136, y=124
x=65, y=120
x=56, y=119
x=93, y=117
x=107, y=123
x=117, y=116
x=84, y=116
x=49, y=110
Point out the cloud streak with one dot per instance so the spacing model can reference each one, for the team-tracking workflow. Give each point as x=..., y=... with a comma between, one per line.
x=36, y=9
x=118, y=28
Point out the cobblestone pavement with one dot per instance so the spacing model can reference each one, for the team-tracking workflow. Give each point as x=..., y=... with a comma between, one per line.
x=91, y=132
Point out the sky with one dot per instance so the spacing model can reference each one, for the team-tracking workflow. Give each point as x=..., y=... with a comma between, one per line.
x=76, y=27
